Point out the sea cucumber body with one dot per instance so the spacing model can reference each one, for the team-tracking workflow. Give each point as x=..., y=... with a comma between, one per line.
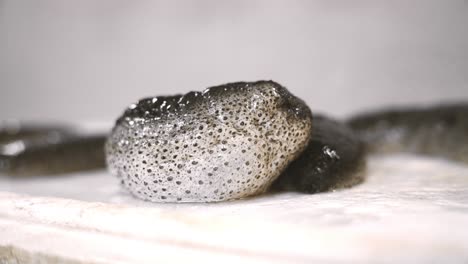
x=227, y=142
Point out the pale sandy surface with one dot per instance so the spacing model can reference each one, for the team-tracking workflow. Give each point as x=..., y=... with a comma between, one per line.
x=411, y=209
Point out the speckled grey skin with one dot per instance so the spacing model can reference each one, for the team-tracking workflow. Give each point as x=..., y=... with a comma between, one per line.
x=227, y=142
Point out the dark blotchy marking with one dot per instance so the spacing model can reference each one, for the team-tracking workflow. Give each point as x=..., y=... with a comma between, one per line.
x=334, y=158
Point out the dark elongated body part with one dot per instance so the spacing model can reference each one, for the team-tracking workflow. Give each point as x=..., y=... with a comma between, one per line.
x=27, y=150
x=440, y=131
x=333, y=159
x=12, y=130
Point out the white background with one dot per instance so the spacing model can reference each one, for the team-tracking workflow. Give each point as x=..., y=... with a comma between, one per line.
x=87, y=60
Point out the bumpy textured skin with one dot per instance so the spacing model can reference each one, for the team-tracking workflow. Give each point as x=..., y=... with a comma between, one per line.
x=333, y=159
x=227, y=142
x=437, y=130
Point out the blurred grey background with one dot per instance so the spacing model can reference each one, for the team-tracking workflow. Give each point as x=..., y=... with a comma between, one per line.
x=87, y=60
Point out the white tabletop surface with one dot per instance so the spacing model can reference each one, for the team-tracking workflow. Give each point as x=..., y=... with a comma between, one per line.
x=410, y=209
